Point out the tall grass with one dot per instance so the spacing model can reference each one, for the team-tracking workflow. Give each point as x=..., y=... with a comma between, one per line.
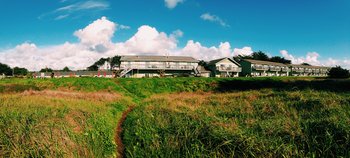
x=59, y=124
x=176, y=117
x=264, y=123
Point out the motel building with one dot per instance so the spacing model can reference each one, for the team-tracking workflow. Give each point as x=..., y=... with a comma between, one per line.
x=157, y=66
x=307, y=70
x=258, y=68
x=224, y=67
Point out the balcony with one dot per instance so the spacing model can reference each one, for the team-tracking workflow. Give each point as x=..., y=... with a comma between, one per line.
x=298, y=69
x=263, y=68
x=275, y=69
x=308, y=70
x=230, y=69
x=285, y=69
x=158, y=67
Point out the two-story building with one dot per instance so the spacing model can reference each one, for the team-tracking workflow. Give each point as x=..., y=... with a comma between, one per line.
x=258, y=68
x=224, y=67
x=157, y=66
x=308, y=70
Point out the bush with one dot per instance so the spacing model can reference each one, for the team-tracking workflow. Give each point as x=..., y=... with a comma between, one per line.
x=339, y=72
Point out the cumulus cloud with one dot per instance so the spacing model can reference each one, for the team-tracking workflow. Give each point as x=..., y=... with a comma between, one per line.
x=310, y=58
x=172, y=3
x=98, y=34
x=245, y=51
x=214, y=18
x=95, y=41
x=196, y=50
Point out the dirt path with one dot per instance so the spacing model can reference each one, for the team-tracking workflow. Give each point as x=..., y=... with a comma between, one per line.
x=118, y=137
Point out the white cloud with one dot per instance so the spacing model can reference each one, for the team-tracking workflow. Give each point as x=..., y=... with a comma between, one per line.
x=196, y=50
x=98, y=34
x=124, y=27
x=172, y=3
x=245, y=51
x=85, y=5
x=95, y=41
x=334, y=62
x=77, y=9
x=214, y=18
x=60, y=17
x=310, y=58
x=148, y=40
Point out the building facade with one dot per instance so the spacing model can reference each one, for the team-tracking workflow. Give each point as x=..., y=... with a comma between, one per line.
x=157, y=66
x=308, y=70
x=258, y=68
x=224, y=67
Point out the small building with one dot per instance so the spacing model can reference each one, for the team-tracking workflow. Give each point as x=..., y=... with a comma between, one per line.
x=308, y=70
x=259, y=68
x=224, y=67
x=157, y=66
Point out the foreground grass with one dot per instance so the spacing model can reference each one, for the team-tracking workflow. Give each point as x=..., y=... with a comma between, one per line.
x=59, y=123
x=206, y=117
x=264, y=123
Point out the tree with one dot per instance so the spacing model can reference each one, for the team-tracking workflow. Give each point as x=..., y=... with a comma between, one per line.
x=66, y=69
x=338, y=72
x=115, y=61
x=307, y=64
x=20, y=71
x=5, y=69
x=260, y=56
x=46, y=70
x=279, y=59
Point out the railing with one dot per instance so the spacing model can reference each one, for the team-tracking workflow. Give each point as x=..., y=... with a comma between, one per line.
x=260, y=68
x=308, y=70
x=297, y=70
x=158, y=66
x=275, y=69
x=230, y=69
x=285, y=69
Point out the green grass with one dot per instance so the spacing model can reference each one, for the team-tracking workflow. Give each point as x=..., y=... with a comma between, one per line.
x=47, y=124
x=265, y=123
x=175, y=117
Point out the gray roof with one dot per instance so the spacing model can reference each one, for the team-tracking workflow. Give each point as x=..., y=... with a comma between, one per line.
x=213, y=62
x=159, y=58
x=261, y=62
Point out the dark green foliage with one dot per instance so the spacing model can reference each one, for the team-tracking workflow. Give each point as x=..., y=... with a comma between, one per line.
x=5, y=69
x=20, y=71
x=46, y=70
x=262, y=56
x=339, y=72
x=113, y=61
x=280, y=60
x=66, y=69
x=307, y=64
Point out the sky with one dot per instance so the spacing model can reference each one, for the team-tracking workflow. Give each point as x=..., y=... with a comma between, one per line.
x=38, y=33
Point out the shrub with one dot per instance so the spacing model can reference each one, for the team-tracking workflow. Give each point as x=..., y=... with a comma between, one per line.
x=339, y=72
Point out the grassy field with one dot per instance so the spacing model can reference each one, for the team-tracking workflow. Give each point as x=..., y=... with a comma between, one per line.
x=66, y=118
x=175, y=117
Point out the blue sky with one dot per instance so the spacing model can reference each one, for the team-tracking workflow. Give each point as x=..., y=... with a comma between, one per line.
x=298, y=26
